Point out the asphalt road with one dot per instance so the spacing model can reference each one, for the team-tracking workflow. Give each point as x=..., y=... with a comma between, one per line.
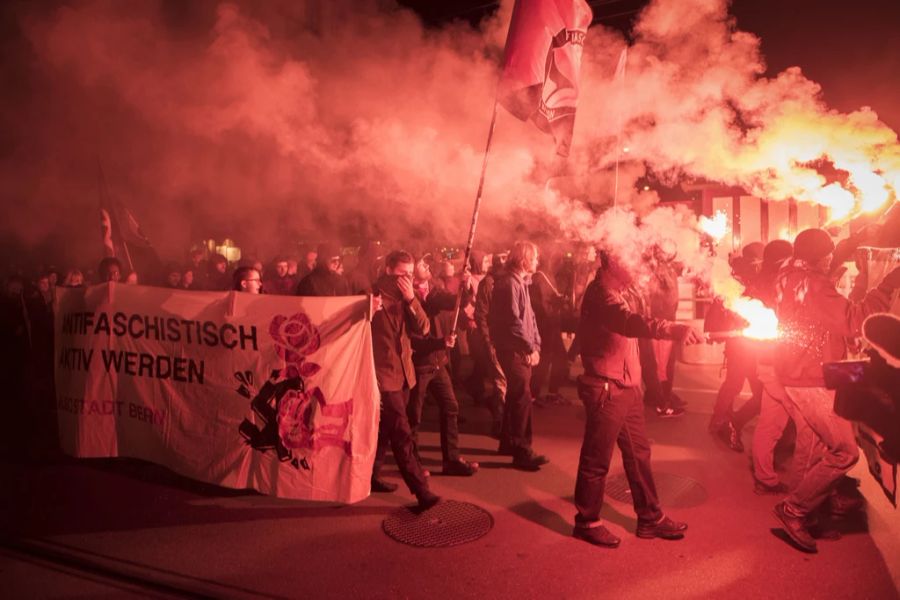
x=118, y=528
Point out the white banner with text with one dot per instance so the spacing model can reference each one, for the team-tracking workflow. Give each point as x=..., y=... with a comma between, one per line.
x=273, y=393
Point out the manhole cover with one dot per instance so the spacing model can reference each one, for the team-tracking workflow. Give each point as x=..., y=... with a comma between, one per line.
x=448, y=523
x=673, y=490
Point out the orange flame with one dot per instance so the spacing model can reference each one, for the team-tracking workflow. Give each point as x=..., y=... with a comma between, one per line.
x=847, y=163
x=762, y=319
x=717, y=227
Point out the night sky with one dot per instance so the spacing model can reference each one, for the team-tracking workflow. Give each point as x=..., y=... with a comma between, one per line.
x=851, y=48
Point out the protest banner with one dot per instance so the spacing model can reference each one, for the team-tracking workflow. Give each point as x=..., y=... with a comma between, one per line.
x=273, y=393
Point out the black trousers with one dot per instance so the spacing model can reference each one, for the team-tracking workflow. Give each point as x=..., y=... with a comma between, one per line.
x=615, y=415
x=740, y=365
x=516, y=430
x=437, y=381
x=394, y=431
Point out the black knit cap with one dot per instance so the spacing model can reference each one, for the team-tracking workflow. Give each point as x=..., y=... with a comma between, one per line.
x=777, y=251
x=753, y=251
x=813, y=245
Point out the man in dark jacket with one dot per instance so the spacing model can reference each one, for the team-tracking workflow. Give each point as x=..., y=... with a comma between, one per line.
x=610, y=324
x=553, y=369
x=740, y=365
x=325, y=280
x=486, y=369
x=218, y=278
x=773, y=417
x=514, y=332
x=280, y=282
x=814, y=320
x=401, y=315
x=430, y=358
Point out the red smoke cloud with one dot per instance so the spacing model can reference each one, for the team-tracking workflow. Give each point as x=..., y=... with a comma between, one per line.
x=272, y=122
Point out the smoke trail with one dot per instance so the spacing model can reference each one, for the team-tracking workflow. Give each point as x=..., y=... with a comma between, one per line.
x=278, y=121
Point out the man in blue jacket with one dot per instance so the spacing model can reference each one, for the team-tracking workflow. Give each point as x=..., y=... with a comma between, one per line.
x=514, y=332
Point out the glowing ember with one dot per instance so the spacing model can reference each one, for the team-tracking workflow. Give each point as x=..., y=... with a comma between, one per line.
x=763, y=322
x=717, y=227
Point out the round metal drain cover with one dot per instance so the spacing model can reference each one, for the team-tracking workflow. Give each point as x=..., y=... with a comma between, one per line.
x=673, y=490
x=448, y=523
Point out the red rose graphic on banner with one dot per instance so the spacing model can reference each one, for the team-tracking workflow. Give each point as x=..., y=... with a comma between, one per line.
x=293, y=420
x=295, y=338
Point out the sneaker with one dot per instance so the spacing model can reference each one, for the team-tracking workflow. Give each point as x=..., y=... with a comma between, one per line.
x=762, y=489
x=460, y=468
x=669, y=412
x=795, y=528
x=665, y=528
x=529, y=461
x=676, y=401
x=382, y=486
x=427, y=499
x=598, y=536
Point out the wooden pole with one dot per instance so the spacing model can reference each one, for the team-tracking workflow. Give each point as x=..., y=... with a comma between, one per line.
x=471, y=240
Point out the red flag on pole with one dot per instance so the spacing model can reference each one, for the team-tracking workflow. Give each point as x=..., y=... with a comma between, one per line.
x=542, y=62
x=122, y=235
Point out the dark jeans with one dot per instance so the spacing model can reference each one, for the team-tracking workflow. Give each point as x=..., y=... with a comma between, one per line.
x=516, y=430
x=614, y=415
x=437, y=381
x=740, y=364
x=394, y=431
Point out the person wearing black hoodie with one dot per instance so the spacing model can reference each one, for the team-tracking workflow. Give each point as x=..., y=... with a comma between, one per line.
x=325, y=280
x=430, y=358
x=814, y=322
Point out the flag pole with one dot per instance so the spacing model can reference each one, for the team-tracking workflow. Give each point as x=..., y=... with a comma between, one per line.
x=471, y=240
x=107, y=200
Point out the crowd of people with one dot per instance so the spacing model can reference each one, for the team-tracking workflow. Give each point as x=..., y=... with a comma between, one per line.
x=510, y=316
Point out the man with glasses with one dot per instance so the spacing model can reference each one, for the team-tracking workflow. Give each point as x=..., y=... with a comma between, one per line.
x=247, y=279
x=325, y=279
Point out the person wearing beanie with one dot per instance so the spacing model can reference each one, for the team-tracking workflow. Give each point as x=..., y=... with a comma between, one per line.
x=775, y=253
x=740, y=362
x=753, y=254
x=773, y=416
x=325, y=279
x=814, y=320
